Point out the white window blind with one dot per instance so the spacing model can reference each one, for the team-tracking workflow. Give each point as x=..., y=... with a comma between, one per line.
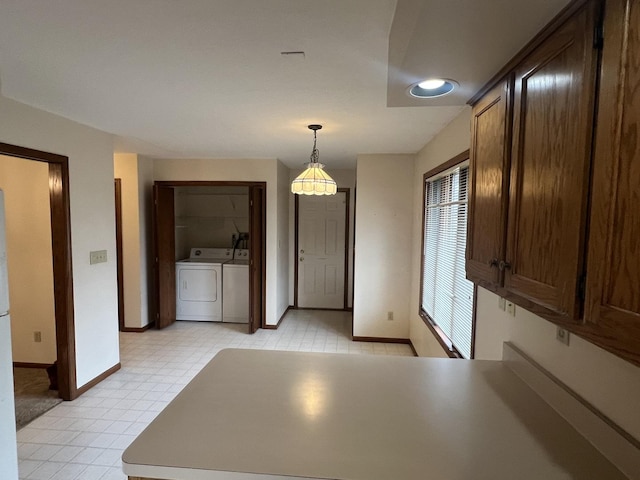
x=447, y=296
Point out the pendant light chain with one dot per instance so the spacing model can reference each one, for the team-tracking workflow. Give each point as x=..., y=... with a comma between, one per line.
x=315, y=154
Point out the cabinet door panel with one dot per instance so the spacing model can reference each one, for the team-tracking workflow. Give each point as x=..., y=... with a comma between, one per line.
x=613, y=282
x=553, y=113
x=490, y=162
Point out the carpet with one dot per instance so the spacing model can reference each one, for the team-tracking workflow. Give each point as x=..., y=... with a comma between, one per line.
x=32, y=394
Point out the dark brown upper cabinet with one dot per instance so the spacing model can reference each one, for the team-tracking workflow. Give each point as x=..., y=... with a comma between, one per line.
x=491, y=153
x=612, y=310
x=531, y=164
x=551, y=159
x=554, y=207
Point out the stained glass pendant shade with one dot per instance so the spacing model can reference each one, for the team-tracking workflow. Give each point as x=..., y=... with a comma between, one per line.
x=314, y=180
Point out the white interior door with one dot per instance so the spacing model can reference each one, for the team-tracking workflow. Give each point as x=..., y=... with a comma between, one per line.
x=321, y=250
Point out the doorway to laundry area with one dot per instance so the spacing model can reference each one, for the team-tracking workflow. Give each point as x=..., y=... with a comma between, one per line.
x=175, y=234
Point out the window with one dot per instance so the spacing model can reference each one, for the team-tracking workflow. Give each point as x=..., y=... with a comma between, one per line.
x=446, y=298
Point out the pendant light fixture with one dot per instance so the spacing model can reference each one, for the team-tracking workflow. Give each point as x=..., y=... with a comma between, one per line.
x=314, y=180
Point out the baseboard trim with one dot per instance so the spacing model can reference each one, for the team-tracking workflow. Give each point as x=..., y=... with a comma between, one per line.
x=136, y=329
x=405, y=341
x=92, y=383
x=275, y=327
x=31, y=365
x=346, y=309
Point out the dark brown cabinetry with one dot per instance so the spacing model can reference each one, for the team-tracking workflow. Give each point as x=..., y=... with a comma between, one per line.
x=612, y=310
x=553, y=117
x=490, y=150
x=571, y=174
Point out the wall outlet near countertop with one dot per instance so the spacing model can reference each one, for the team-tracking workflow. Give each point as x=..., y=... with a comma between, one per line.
x=37, y=337
x=389, y=315
x=511, y=309
x=562, y=335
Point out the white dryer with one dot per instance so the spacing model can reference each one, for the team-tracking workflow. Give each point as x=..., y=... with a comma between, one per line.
x=235, y=288
x=199, y=284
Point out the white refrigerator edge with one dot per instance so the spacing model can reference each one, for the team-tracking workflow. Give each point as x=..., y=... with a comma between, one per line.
x=8, y=444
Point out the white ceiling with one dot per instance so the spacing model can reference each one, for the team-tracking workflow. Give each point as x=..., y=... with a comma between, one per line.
x=205, y=78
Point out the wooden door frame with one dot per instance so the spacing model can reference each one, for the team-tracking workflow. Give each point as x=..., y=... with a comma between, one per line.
x=117, y=183
x=221, y=183
x=346, y=191
x=62, y=266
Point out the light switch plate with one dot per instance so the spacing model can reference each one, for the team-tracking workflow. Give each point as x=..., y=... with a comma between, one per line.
x=98, y=256
x=511, y=309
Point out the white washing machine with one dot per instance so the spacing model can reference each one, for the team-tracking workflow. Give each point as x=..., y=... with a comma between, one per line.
x=235, y=288
x=199, y=284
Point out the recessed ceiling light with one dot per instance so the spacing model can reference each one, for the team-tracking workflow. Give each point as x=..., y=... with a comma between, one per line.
x=432, y=87
x=431, y=84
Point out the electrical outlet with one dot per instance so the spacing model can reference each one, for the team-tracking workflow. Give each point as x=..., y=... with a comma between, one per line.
x=511, y=309
x=98, y=256
x=502, y=304
x=389, y=315
x=562, y=335
x=37, y=337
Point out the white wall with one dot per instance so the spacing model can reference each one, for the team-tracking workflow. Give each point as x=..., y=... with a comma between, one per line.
x=30, y=266
x=609, y=383
x=283, y=238
x=382, y=245
x=344, y=179
x=451, y=141
x=95, y=293
x=245, y=170
x=126, y=168
x=145, y=193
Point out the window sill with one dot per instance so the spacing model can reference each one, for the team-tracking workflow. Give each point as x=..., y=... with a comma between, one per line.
x=442, y=339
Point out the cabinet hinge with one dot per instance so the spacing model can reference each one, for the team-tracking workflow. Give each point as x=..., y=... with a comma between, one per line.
x=582, y=287
x=598, y=36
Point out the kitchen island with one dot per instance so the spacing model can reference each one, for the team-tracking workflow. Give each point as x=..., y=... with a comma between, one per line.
x=252, y=414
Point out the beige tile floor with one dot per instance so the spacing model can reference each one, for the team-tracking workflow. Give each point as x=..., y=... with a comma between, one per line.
x=84, y=439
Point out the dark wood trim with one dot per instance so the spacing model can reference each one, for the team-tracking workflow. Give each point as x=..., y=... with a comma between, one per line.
x=258, y=255
x=137, y=329
x=117, y=184
x=207, y=183
x=413, y=349
x=404, y=341
x=473, y=321
x=31, y=365
x=461, y=157
x=62, y=261
x=92, y=383
x=323, y=309
x=440, y=336
x=565, y=14
x=346, y=247
x=277, y=325
x=296, y=225
x=31, y=154
x=346, y=192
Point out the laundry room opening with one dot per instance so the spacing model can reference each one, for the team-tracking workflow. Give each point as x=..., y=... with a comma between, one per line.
x=209, y=243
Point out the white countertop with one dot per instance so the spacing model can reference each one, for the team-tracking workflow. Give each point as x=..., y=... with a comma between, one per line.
x=271, y=414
